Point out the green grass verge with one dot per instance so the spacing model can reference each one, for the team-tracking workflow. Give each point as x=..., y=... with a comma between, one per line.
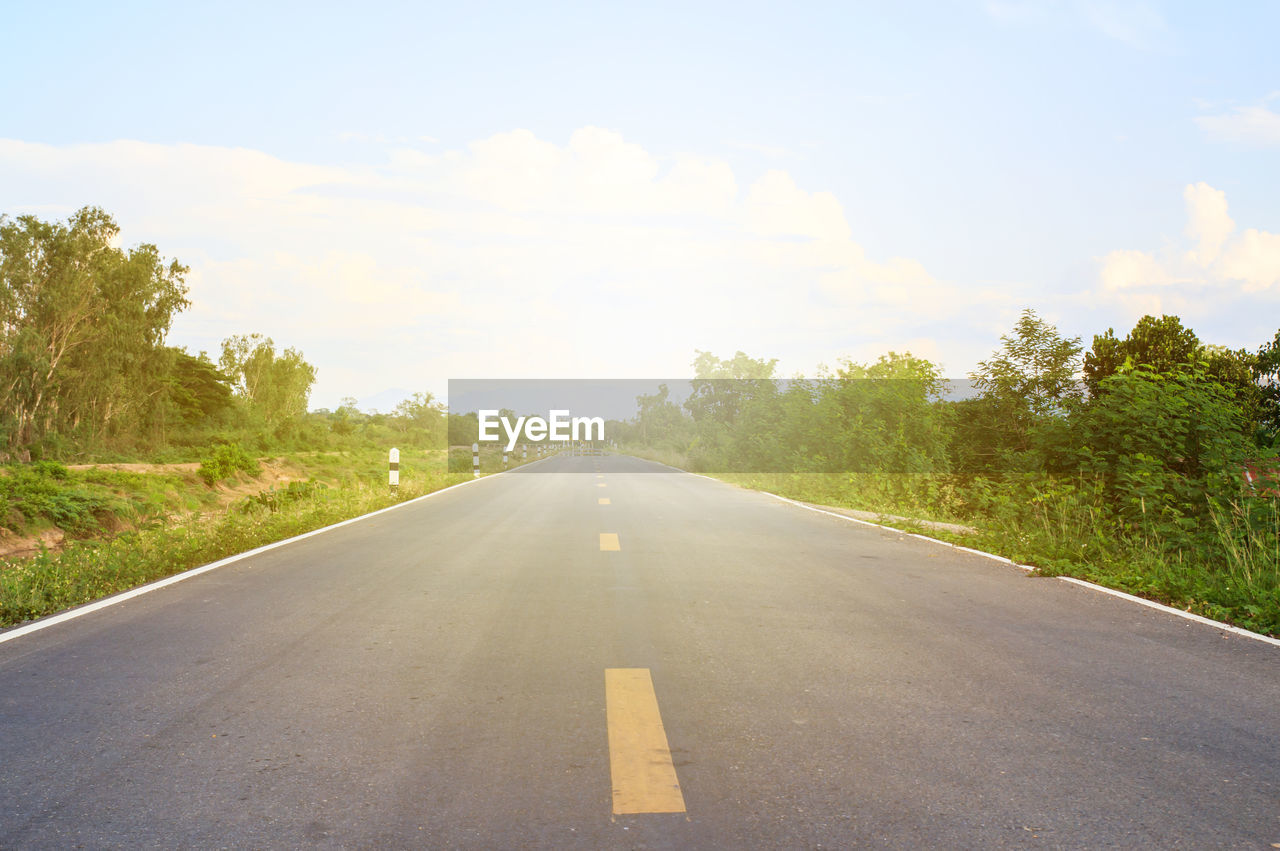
x=85, y=571
x=1231, y=573
x=341, y=485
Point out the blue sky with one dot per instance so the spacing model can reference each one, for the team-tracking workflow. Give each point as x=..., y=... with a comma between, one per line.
x=410, y=193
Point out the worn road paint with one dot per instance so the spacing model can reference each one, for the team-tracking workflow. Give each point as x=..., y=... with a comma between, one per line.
x=644, y=778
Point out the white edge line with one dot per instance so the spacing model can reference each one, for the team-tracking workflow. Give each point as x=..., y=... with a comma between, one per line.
x=79, y=611
x=1151, y=604
x=1162, y=607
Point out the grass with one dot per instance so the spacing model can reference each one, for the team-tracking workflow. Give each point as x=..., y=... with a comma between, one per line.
x=339, y=486
x=1229, y=571
x=84, y=503
x=53, y=581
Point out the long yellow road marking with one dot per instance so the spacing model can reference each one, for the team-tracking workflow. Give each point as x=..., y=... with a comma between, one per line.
x=600, y=484
x=604, y=500
x=644, y=779
x=609, y=542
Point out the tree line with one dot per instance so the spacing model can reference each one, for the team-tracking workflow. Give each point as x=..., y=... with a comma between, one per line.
x=84, y=364
x=1159, y=427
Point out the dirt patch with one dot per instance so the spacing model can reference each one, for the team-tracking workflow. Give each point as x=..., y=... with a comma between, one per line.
x=17, y=546
x=274, y=474
x=190, y=466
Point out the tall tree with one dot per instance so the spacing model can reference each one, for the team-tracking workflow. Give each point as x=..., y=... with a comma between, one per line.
x=885, y=416
x=1029, y=380
x=82, y=324
x=1034, y=371
x=1160, y=343
x=275, y=385
x=421, y=417
x=199, y=389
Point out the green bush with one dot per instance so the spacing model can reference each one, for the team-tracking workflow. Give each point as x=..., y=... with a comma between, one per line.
x=39, y=493
x=50, y=469
x=274, y=500
x=225, y=461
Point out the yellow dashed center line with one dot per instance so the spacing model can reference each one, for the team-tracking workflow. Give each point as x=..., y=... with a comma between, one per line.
x=644, y=778
x=600, y=485
x=609, y=542
x=604, y=500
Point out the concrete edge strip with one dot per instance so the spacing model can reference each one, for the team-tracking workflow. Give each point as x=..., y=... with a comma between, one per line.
x=1151, y=604
x=105, y=602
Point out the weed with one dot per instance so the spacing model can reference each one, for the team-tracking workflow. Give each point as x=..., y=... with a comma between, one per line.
x=224, y=461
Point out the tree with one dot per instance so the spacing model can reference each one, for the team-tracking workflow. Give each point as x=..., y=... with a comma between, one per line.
x=1165, y=445
x=1028, y=381
x=660, y=421
x=740, y=366
x=275, y=386
x=82, y=325
x=1266, y=374
x=199, y=390
x=885, y=418
x=1162, y=344
x=1034, y=371
x=464, y=430
x=721, y=385
x=423, y=417
x=720, y=392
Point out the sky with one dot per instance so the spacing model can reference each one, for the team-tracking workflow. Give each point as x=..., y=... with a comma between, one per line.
x=414, y=192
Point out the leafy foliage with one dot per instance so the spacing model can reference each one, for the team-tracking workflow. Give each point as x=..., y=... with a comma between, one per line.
x=1168, y=448
x=37, y=495
x=1138, y=485
x=82, y=325
x=274, y=384
x=1029, y=381
x=273, y=500
x=225, y=461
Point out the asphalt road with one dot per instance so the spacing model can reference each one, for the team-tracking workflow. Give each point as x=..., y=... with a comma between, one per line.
x=435, y=676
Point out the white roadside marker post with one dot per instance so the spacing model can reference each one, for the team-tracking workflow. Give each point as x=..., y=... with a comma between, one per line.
x=524, y=452
x=475, y=460
x=393, y=473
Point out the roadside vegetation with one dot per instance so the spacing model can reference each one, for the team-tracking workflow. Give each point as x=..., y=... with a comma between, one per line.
x=1147, y=463
x=124, y=459
x=93, y=568
x=120, y=529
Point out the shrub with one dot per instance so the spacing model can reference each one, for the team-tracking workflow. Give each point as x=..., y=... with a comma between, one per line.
x=224, y=461
x=273, y=500
x=50, y=469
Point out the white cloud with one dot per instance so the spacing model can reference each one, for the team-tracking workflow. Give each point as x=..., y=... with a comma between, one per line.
x=777, y=207
x=1248, y=125
x=512, y=256
x=1254, y=260
x=1134, y=22
x=1129, y=269
x=1220, y=264
x=1207, y=222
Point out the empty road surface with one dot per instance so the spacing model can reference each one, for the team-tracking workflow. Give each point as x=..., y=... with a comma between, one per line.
x=590, y=653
